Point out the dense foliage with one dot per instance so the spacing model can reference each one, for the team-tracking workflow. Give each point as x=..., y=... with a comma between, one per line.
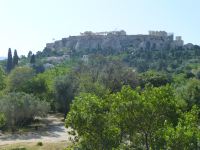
x=170, y=60
x=2, y=79
x=19, y=77
x=2, y=120
x=132, y=116
x=21, y=108
x=134, y=99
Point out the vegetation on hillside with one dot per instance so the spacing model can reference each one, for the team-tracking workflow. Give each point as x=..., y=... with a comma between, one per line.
x=136, y=99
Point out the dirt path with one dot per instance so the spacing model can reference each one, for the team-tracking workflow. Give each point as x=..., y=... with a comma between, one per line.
x=54, y=131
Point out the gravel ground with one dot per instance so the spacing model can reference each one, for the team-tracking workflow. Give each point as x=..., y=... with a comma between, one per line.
x=54, y=131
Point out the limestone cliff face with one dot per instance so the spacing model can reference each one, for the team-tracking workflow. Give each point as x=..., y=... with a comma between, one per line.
x=88, y=42
x=116, y=42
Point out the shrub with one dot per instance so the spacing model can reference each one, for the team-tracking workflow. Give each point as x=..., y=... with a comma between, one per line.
x=2, y=120
x=39, y=144
x=20, y=108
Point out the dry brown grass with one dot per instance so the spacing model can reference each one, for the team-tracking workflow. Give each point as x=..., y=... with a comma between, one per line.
x=34, y=146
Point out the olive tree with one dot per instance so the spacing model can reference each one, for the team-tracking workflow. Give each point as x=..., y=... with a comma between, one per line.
x=20, y=108
x=65, y=88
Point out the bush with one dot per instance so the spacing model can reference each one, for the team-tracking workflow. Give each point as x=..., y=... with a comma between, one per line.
x=2, y=120
x=39, y=144
x=20, y=108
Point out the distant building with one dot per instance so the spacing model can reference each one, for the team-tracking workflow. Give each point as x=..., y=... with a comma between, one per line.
x=178, y=41
x=90, y=33
x=158, y=33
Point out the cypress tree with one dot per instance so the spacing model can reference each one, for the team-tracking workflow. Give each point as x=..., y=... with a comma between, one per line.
x=15, y=59
x=9, y=61
x=29, y=54
x=32, y=61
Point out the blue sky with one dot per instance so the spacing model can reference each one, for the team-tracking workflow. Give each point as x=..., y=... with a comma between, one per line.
x=30, y=24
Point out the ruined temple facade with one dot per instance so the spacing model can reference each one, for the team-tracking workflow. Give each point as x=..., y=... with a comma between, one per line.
x=118, y=40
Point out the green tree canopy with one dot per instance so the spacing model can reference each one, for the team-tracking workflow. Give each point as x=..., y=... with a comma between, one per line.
x=2, y=79
x=19, y=77
x=185, y=135
x=2, y=120
x=65, y=89
x=32, y=60
x=129, y=115
x=190, y=92
x=154, y=78
x=20, y=108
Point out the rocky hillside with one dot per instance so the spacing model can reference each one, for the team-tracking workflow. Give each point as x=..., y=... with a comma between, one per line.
x=117, y=40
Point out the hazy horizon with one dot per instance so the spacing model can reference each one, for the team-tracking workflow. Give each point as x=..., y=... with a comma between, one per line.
x=28, y=25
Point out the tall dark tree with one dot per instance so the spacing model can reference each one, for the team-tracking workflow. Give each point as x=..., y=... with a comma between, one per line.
x=9, y=61
x=15, y=59
x=32, y=61
x=30, y=54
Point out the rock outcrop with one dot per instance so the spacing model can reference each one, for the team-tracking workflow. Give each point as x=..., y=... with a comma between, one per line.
x=117, y=40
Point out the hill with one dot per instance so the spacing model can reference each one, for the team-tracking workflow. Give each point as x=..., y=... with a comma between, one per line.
x=2, y=58
x=117, y=40
x=157, y=50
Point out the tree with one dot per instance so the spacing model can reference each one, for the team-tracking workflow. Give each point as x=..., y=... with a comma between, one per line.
x=15, y=59
x=2, y=79
x=30, y=54
x=9, y=61
x=32, y=61
x=19, y=77
x=113, y=75
x=185, y=135
x=37, y=86
x=129, y=115
x=138, y=114
x=65, y=89
x=2, y=120
x=20, y=108
x=89, y=117
x=190, y=92
x=154, y=78
x=87, y=86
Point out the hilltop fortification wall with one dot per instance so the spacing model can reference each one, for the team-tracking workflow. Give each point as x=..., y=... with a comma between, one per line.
x=117, y=40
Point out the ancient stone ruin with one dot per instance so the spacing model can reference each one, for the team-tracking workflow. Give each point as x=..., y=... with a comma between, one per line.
x=118, y=41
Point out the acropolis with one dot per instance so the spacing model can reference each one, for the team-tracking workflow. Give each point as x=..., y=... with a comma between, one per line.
x=118, y=40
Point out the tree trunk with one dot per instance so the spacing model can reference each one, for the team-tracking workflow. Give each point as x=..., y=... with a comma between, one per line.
x=146, y=141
